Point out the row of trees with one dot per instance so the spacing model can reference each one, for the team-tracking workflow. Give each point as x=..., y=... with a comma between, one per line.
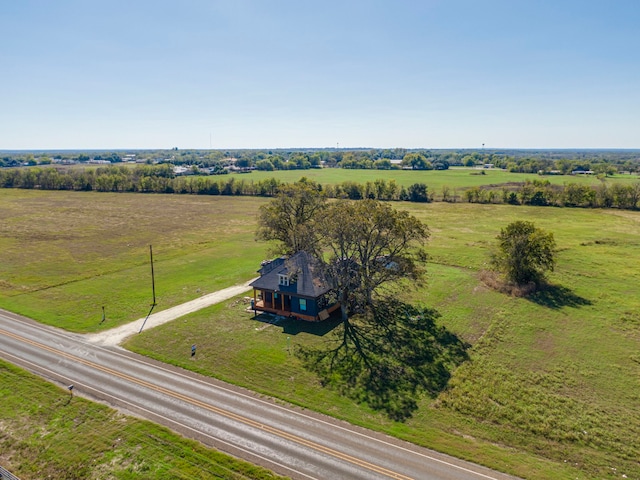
x=161, y=179
x=543, y=193
x=348, y=159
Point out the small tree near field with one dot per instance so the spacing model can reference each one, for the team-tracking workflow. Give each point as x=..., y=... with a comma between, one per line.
x=291, y=217
x=525, y=253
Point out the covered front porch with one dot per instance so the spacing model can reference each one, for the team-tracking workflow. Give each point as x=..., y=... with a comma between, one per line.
x=279, y=303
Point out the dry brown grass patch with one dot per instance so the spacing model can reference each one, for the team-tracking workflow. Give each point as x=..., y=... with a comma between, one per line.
x=494, y=281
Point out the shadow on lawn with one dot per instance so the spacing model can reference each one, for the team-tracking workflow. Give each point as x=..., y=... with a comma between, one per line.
x=291, y=326
x=557, y=296
x=387, y=357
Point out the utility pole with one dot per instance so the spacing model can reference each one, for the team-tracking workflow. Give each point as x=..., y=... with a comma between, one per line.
x=153, y=290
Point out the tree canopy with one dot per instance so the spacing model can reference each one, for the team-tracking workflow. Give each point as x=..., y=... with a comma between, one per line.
x=291, y=217
x=416, y=161
x=361, y=244
x=385, y=352
x=524, y=253
x=367, y=244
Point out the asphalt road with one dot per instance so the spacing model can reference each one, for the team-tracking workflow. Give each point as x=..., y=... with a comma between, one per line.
x=288, y=440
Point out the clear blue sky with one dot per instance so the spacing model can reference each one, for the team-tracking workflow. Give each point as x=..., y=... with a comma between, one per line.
x=83, y=74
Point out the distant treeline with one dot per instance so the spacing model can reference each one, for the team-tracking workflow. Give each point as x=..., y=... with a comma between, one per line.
x=161, y=179
x=600, y=162
x=542, y=193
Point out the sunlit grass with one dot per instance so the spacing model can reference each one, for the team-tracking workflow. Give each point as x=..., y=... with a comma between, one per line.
x=46, y=434
x=543, y=370
x=63, y=256
x=454, y=178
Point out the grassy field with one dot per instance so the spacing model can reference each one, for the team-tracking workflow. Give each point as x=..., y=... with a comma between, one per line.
x=77, y=439
x=65, y=255
x=454, y=178
x=552, y=388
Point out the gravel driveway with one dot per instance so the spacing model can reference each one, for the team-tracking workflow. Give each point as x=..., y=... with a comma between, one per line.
x=115, y=336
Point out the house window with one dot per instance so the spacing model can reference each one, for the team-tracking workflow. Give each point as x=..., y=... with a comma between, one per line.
x=283, y=280
x=303, y=304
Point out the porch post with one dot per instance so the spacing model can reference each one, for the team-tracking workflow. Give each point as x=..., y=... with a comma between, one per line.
x=255, y=313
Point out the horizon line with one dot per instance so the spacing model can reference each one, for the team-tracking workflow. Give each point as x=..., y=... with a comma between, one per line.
x=485, y=148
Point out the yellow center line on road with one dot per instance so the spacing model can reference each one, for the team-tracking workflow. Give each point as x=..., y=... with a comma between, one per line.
x=211, y=408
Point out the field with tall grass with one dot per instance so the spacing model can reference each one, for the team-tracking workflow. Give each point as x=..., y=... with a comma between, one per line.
x=552, y=389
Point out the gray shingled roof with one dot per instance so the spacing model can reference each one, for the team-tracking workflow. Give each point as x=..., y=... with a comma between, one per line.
x=310, y=281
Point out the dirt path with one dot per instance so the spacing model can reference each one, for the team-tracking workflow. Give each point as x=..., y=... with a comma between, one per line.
x=115, y=336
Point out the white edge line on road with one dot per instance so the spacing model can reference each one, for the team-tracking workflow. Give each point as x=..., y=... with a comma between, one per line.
x=383, y=442
x=136, y=407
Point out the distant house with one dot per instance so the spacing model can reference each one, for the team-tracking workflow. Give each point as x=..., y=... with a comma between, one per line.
x=180, y=170
x=293, y=287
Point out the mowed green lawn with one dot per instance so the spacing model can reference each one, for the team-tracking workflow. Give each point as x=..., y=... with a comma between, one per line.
x=454, y=178
x=552, y=388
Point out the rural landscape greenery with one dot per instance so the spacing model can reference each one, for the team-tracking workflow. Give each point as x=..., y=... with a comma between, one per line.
x=198, y=172
x=544, y=385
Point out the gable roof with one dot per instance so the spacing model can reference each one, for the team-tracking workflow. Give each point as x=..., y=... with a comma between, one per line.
x=304, y=271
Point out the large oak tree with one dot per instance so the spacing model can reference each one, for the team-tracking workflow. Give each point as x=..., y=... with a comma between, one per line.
x=367, y=244
x=362, y=245
x=385, y=352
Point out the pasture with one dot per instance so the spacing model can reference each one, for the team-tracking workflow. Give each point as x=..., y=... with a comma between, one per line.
x=552, y=387
x=455, y=178
x=65, y=255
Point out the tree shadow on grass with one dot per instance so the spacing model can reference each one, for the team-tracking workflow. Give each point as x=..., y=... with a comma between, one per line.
x=557, y=296
x=388, y=358
x=292, y=326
